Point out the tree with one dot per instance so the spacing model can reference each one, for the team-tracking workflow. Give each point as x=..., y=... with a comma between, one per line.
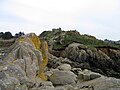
x=7, y=35
x=19, y=34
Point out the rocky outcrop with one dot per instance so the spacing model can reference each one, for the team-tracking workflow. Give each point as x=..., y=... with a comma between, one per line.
x=113, y=53
x=54, y=62
x=83, y=80
x=22, y=62
x=102, y=83
x=6, y=43
x=24, y=67
x=95, y=59
x=84, y=51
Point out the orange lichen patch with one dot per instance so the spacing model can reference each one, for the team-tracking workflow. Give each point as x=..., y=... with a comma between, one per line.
x=34, y=40
x=44, y=54
x=44, y=60
x=42, y=66
x=41, y=74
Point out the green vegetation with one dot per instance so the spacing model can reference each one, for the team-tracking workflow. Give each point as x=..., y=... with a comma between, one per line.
x=62, y=39
x=6, y=35
x=83, y=39
x=19, y=34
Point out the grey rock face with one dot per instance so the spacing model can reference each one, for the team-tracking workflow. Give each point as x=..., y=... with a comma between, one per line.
x=54, y=62
x=87, y=58
x=87, y=75
x=16, y=72
x=20, y=64
x=102, y=83
x=62, y=77
x=24, y=55
x=46, y=85
x=60, y=88
x=64, y=67
x=7, y=82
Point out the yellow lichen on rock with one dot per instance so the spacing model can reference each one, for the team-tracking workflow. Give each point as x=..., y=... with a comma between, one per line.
x=31, y=38
x=34, y=40
x=44, y=54
x=44, y=51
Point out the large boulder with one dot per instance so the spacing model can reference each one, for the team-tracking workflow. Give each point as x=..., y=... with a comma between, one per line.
x=102, y=83
x=87, y=75
x=64, y=67
x=24, y=54
x=62, y=77
x=22, y=62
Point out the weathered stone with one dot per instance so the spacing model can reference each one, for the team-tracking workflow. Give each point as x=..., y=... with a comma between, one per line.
x=60, y=88
x=16, y=72
x=62, y=77
x=80, y=75
x=43, y=88
x=49, y=73
x=66, y=60
x=86, y=77
x=21, y=87
x=23, y=54
x=46, y=85
x=102, y=83
x=7, y=82
x=76, y=70
x=68, y=87
x=86, y=71
x=22, y=62
x=64, y=67
x=94, y=76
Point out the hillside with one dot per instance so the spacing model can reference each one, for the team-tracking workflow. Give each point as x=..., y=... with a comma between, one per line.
x=85, y=51
x=62, y=39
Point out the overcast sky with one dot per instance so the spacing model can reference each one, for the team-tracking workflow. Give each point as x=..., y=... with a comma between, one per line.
x=100, y=18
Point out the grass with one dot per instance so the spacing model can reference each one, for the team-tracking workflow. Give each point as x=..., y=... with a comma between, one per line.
x=74, y=36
